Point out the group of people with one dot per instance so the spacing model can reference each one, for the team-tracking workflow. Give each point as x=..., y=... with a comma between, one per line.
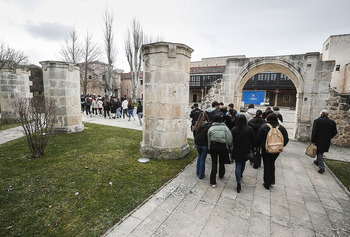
x=227, y=135
x=93, y=105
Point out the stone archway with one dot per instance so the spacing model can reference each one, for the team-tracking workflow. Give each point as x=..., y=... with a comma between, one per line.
x=276, y=65
x=310, y=75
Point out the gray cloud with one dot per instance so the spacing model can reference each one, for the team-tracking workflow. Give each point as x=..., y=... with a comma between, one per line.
x=47, y=30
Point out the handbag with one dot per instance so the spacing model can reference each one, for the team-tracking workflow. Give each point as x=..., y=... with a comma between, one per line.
x=311, y=150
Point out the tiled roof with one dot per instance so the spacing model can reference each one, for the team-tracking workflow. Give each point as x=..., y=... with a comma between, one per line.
x=207, y=69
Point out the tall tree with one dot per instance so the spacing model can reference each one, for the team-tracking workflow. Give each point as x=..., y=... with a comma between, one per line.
x=91, y=53
x=11, y=58
x=110, y=50
x=133, y=42
x=71, y=50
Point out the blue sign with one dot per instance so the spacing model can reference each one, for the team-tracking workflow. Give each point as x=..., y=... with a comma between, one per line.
x=253, y=97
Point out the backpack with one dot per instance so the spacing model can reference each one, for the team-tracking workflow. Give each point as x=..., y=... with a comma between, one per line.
x=274, y=140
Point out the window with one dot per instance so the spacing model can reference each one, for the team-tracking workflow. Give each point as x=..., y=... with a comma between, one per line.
x=327, y=46
x=286, y=98
x=337, y=68
x=141, y=82
x=90, y=77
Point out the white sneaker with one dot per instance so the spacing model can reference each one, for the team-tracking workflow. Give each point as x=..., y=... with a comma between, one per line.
x=213, y=185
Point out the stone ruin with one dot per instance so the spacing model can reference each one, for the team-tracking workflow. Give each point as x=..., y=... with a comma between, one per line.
x=62, y=83
x=14, y=84
x=166, y=90
x=339, y=111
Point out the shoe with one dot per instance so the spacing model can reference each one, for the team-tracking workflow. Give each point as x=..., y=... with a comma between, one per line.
x=267, y=187
x=213, y=185
x=221, y=177
x=238, y=187
x=315, y=162
x=321, y=171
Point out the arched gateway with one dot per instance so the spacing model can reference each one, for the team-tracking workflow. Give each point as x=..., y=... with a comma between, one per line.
x=310, y=75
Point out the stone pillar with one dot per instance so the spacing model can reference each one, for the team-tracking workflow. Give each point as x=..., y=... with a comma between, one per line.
x=14, y=84
x=62, y=83
x=166, y=92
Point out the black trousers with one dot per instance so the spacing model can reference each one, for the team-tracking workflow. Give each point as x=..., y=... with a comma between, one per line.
x=269, y=167
x=217, y=151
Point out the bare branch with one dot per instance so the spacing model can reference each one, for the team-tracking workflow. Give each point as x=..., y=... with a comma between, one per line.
x=71, y=50
x=11, y=58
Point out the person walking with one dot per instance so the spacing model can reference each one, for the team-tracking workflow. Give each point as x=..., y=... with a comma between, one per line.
x=255, y=124
x=194, y=115
x=139, y=111
x=276, y=110
x=201, y=128
x=118, y=104
x=323, y=130
x=219, y=139
x=100, y=105
x=213, y=110
x=230, y=118
x=269, y=158
x=106, y=108
x=131, y=109
x=243, y=138
x=113, y=108
x=125, y=107
x=250, y=112
x=94, y=106
x=88, y=105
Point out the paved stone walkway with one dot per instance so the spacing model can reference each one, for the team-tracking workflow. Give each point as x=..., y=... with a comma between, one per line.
x=302, y=203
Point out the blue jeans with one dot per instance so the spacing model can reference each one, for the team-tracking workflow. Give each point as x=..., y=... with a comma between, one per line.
x=118, y=112
x=239, y=171
x=131, y=113
x=202, y=154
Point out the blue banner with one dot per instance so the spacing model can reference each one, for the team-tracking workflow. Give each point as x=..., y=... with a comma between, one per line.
x=253, y=97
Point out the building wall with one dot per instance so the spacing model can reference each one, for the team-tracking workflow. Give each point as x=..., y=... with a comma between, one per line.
x=126, y=88
x=214, y=61
x=337, y=47
x=199, y=95
x=347, y=78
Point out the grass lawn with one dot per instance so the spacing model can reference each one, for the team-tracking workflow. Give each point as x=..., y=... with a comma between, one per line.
x=85, y=182
x=341, y=169
x=4, y=126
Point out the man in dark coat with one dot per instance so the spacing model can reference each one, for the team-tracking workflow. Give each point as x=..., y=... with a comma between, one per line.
x=323, y=130
x=195, y=115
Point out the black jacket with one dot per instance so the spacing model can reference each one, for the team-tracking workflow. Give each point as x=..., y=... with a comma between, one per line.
x=195, y=115
x=242, y=144
x=260, y=139
x=118, y=104
x=255, y=124
x=201, y=138
x=323, y=130
x=139, y=109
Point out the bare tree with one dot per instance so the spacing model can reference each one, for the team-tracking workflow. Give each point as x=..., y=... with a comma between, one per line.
x=133, y=43
x=11, y=58
x=38, y=118
x=110, y=50
x=91, y=53
x=71, y=50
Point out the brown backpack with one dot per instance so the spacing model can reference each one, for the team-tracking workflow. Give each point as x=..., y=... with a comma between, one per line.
x=274, y=140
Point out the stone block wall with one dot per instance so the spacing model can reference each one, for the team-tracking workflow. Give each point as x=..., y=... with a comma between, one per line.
x=339, y=111
x=166, y=89
x=14, y=84
x=62, y=83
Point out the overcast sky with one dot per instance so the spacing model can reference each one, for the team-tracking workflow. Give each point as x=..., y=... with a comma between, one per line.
x=211, y=28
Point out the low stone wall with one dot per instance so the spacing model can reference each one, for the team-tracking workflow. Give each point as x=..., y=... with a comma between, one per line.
x=340, y=113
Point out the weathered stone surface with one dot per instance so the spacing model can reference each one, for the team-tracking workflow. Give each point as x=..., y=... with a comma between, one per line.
x=166, y=90
x=62, y=83
x=339, y=112
x=14, y=84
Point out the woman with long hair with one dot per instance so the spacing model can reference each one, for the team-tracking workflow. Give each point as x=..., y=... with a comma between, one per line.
x=131, y=109
x=201, y=128
x=242, y=137
x=255, y=124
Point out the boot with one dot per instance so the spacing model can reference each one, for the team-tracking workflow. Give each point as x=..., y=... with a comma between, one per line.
x=238, y=187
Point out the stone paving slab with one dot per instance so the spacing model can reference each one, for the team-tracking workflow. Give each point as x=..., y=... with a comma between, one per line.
x=302, y=203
